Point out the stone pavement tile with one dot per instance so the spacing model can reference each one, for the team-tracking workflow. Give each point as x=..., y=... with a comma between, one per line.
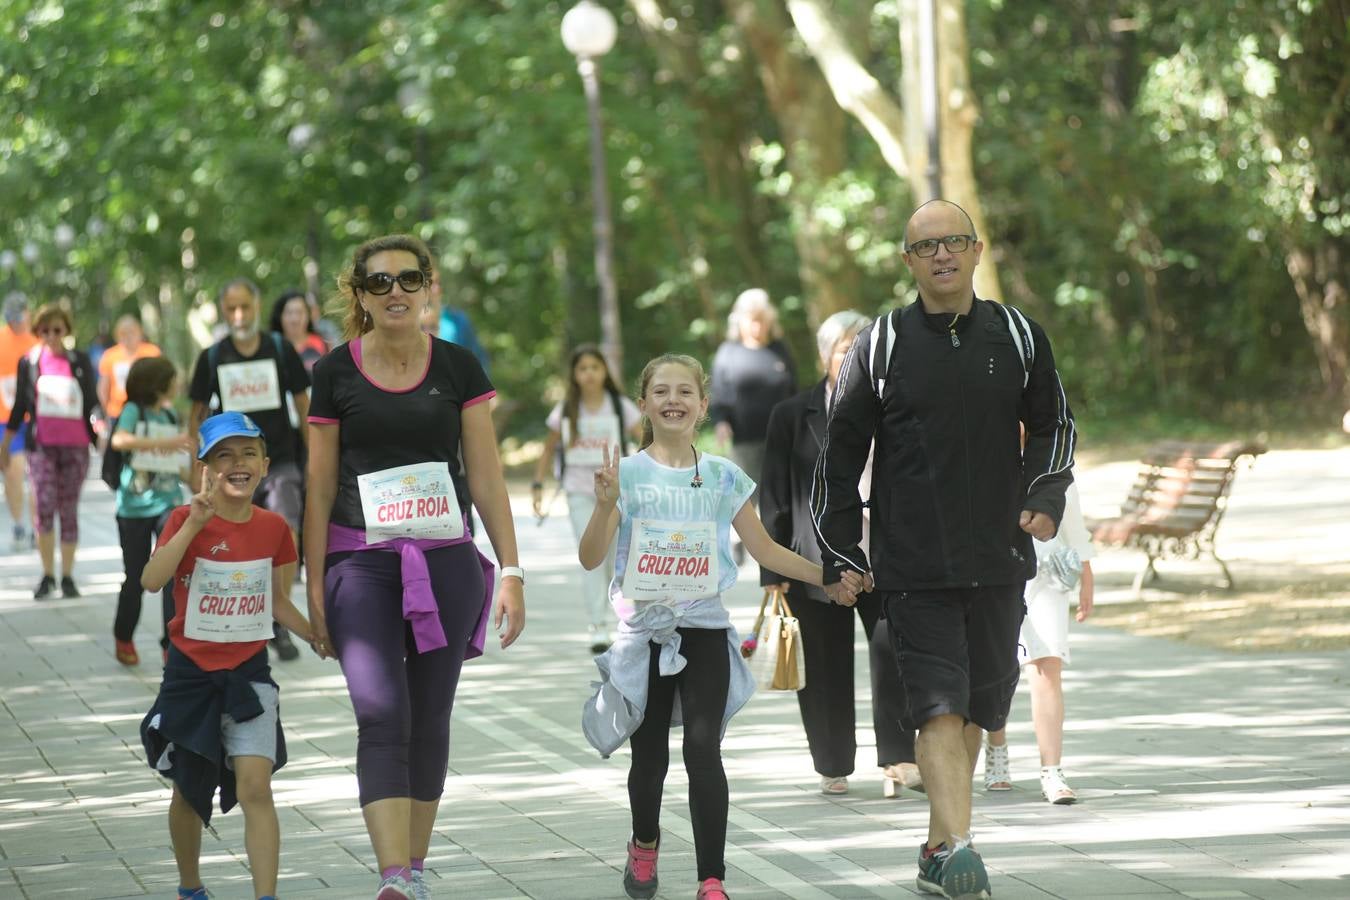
x=63, y=881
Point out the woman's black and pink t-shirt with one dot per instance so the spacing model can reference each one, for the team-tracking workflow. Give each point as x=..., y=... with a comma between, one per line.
x=383, y=429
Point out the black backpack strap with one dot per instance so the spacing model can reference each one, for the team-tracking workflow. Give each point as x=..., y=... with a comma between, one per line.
x=617, y=402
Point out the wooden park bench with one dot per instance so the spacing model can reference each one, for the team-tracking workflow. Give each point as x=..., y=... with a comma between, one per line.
x=1176, y=504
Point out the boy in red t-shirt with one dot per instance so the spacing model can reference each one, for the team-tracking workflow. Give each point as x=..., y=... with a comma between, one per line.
x=216, y=721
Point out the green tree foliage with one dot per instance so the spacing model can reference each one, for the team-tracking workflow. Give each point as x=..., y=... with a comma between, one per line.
x=1155, y=173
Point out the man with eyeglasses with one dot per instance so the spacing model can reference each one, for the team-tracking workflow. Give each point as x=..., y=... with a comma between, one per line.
x=940, y=385
x=257, y=373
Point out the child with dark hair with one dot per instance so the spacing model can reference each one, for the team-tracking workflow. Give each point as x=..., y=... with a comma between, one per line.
x=155, y=448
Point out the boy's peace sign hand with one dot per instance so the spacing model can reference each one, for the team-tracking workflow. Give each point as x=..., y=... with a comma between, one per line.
x=607, y=478
x=203, y=506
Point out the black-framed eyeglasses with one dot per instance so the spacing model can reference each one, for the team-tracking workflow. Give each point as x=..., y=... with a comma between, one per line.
x=956, y=243
x=381, y=283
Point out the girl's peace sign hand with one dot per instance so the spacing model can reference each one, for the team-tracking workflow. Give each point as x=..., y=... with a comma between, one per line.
x=204, y=501
x=607, y=478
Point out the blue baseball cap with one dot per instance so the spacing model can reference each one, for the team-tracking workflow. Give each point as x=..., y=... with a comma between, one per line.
x=225, y=425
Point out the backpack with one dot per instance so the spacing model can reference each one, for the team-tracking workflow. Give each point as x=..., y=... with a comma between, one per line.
x=560, y=453
x=113, y=460
x=884, y=334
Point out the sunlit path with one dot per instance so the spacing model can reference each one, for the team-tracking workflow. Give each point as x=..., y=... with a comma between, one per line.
x=1202, y=773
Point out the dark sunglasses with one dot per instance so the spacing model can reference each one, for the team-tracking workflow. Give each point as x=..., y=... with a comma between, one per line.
x=381, y=283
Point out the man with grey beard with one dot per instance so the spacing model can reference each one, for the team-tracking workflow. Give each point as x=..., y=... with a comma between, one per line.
x=250, y=372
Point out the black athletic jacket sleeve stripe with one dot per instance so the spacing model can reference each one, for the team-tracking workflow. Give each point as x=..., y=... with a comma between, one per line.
x=836, y=507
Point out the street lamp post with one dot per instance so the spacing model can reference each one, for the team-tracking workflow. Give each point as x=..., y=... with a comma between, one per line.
x=588, y=32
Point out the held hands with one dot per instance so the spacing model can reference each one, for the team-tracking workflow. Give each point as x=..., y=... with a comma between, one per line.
x=849, y=586
x=319, y=641
x=510, y=604
x=1037, y=524
x=607, y=479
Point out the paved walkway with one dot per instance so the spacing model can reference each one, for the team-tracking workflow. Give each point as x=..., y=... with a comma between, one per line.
x=1203, y=774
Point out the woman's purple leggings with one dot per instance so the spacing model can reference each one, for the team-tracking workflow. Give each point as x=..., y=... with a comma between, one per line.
x=402, y=698
x=58, y=474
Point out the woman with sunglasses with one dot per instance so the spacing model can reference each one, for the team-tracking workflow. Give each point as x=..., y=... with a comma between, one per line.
x=55, y=391
x=405, y=596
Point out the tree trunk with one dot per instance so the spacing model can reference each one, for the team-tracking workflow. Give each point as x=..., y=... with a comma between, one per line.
x=813, y=132
x=900, y=131
x=1319, y=280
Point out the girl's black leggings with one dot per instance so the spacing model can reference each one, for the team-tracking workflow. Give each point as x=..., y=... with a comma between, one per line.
x=702, y=688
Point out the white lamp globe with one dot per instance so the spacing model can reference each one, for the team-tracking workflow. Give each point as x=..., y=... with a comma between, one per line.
x=588, y=30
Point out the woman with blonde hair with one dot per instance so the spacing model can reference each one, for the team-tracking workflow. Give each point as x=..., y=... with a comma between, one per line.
x=405, y=597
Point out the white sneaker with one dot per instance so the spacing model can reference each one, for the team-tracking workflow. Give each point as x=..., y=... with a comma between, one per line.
x=419, y=885
x=1054, y=788
x=997, y=776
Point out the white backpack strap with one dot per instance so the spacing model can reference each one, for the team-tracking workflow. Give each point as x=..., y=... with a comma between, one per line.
x=879, y=353
x=1020, y=329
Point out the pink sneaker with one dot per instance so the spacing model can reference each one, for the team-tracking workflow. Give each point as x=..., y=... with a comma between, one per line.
x=711, y=889
x=639, y=876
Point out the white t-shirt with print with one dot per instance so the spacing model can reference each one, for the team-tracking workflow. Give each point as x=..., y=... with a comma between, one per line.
x=649, y=491
x=595, y=427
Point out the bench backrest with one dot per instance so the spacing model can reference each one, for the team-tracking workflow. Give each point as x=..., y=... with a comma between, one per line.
x=1181, y=488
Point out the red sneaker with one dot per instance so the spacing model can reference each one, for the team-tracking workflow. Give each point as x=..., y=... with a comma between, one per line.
x=639, y=876
x=711, y=889
x=126, y=653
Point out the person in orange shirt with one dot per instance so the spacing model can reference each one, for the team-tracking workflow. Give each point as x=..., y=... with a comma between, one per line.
x=116, y=362
x=16, y=339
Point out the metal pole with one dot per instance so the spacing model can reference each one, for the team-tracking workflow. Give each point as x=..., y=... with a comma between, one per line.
x=611, y=337
x=928, y=64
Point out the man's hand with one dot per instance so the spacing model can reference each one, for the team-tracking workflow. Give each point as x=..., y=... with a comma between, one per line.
x=1038, y=525
x=844, y=592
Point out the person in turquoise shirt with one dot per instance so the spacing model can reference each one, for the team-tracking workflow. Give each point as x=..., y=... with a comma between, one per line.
x=155, y=449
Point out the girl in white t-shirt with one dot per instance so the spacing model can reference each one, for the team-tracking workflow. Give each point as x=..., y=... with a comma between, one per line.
x=676, y=659
x=594, y=414
x=1063, y=575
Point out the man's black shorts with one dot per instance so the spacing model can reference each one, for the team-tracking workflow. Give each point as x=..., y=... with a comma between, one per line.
x=957, y=650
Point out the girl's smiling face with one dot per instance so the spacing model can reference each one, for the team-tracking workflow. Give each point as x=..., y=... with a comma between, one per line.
x=674, y=401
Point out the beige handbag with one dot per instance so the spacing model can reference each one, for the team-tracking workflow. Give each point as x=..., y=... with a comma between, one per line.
x=775, y=647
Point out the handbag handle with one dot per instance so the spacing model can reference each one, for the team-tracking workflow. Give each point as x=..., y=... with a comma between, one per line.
x=770, y=593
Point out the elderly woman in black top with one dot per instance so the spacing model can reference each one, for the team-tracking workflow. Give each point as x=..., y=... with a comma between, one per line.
x=751, y=372
x=796, y=428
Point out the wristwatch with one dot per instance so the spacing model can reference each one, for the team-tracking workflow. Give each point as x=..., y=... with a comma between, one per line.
x=517, y=571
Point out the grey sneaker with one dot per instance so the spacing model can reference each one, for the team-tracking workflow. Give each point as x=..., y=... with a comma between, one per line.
x=956, y=874
x=419, y=884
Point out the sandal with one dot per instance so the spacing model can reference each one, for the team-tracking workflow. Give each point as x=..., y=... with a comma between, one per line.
x=1054, y=788
x=900, y=775
x=996, y=774
x=833, y=785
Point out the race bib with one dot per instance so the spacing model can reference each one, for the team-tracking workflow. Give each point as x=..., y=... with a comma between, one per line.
x=159, y=460
x=593, y=435
x=59, y=397
x=249, y=386
x=120, y=371
x=416, y=501
x=230, y=602
x=9, y=390
x=671, y=560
